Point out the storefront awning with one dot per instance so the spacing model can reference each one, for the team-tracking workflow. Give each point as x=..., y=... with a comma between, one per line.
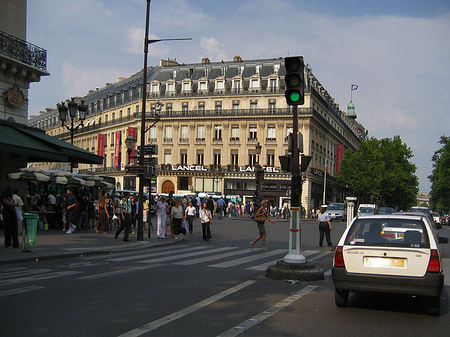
x=39, y=147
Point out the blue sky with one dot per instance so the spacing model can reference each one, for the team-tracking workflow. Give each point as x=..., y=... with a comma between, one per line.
x=397, y=51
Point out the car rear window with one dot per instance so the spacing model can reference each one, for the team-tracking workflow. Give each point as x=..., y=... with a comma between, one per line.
x=388, y=233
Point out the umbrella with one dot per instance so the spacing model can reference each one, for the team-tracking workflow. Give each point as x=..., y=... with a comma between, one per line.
x=29, y=176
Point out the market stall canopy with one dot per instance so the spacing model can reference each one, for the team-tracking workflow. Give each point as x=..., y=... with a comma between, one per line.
x=39, y=147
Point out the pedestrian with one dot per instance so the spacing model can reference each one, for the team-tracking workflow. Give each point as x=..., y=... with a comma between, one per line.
x=261, y=216
x=84, y=213
x=324, y=221
x=146, y=213
x=162, y=208
x=206, y=219
x=190, y=214
x=71, y=212
x=177, y=217
x=125, y=214
x=9, y=218
x=210, y=204
x=91, y=212
x=111, y=210
x=18, y=205
x=102, y=213
x=220, y=206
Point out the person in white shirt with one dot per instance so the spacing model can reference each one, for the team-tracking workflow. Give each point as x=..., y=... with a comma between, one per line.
x=18, y=205
x=162, y=208
x=190, y=214
x=324, y=221
x=206, y=219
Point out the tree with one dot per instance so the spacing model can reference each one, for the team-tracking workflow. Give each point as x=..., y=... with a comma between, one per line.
x=440, y=177
x=381, y=169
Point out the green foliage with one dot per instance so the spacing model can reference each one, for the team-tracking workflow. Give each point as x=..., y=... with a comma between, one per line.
x=381, y=168
x=440, y=178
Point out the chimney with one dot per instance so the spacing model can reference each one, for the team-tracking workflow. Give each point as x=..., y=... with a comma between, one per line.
x=206, y=60
x=237, y=58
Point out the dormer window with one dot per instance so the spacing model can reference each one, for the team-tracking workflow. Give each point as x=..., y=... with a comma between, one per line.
x=186, y=88
x=170, y=89
x=254, y=85
x=155, y=89
x=220, y=87
x=203, y=88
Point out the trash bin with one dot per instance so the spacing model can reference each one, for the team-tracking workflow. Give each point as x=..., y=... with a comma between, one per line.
x=32, y=222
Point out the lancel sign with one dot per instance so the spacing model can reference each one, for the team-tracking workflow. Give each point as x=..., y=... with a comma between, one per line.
x=201, y=168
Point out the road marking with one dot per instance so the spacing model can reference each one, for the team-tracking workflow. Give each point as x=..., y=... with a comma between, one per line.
x=243, y=260
x=264, y=266
x=251, y=322
x=183, y=256
x=211, y=258
x=327, y=273
x=174, y=316
x=18, y=291
x=158, y=253
x=23, y=272
x=40, y=277
x=118, y=272
x=319, y=256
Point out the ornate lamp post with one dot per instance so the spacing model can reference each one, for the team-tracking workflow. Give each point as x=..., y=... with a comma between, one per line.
x=259, y=175
x=130, y=143
x=73, y=108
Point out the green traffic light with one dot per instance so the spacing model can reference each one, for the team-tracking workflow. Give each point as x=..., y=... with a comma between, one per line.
x=294, y=96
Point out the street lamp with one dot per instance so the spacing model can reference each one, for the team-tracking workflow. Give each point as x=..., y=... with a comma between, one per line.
x=130, y=143
x=73, y=108
x=258, y=177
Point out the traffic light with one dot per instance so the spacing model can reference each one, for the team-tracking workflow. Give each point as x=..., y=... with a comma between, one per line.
x=294, y=80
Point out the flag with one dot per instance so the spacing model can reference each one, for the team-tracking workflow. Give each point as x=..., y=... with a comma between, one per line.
x=354, y=87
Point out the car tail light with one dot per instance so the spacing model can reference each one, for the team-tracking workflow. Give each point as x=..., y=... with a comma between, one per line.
x=339, y=257
x=434, y=266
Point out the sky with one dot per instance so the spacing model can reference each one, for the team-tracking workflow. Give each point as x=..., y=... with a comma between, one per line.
x=396, y=51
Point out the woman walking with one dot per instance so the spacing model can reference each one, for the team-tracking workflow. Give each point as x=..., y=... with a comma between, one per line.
x=162, y=209
x=190, y=216
x=206, y=219
x=177, y=216
x=261, y=216
x=102, y=213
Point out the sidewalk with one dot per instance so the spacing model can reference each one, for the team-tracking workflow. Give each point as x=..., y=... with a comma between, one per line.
x=55, y=244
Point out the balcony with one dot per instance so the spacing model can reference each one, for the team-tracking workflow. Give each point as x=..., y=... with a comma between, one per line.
x=23, y=51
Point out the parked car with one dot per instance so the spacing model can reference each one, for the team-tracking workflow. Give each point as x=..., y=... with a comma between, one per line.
x=396, y=254
x=436, y=217
x=337, y=211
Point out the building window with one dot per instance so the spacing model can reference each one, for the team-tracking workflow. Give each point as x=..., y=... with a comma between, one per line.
x=201, y=109
x=201, y=132
x=169, y=110
x=186, y=87
x=235, y=107
x=216, y=157
x=237, y=86
x=183, y=157
x=168, y=133
x=234, y=158
x=200, y=158
x=254, y=85
x=270, y=159
x=217, y=132
x=155, y=90
x=185, y=110
x=253, y=107
x=271, y=133
x=272, y=107
x=234, y=132
x=170, y=89
x=152, y=133
x=252, y=158
x=220, y=86
x=273, y=85
x=167, y=157
x=184, y=133
x=253, y=133
x=183, y=183
x=203, y=88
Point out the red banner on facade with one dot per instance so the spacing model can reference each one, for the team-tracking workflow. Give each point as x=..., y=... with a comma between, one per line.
x=132, y=133
x=117, y=149
x=339, y=156
x=101, y=146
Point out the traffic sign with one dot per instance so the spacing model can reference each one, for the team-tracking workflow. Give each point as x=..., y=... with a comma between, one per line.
x=150, y=161
x=136, y=169
x=149, y=150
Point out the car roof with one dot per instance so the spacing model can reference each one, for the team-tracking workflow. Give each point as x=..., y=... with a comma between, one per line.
x=411, y=216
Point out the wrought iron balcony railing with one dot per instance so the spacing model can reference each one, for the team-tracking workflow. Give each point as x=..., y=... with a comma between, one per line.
x=23, y=51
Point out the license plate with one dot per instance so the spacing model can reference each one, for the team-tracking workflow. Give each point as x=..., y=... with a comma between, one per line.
x=372, y=261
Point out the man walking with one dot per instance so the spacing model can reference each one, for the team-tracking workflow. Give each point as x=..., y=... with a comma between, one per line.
x=71, y=213
x=220, y=207
x=125, y=214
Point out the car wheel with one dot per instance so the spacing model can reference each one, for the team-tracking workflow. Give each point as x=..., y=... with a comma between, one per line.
x=341, y=297
x=434, y=306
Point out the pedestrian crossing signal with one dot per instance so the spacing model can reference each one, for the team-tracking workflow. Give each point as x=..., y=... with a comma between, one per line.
x=294, y=80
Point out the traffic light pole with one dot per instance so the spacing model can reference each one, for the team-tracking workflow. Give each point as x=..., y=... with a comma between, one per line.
x=294, y=255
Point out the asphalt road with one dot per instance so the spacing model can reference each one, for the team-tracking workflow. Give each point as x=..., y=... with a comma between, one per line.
x=196, y=288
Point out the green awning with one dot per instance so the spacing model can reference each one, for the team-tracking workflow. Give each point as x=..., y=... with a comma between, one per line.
x=39, y=147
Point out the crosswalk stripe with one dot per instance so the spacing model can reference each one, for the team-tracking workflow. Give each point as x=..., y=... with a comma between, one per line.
x=133, y=253
x=211, y=258
x=251, y=258
x=22, y=272
x=40, y=277
x=18, y=291
x=183, y=256
x=159, y=253
x=319, y=256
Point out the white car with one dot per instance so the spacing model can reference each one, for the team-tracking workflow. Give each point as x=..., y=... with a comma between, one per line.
x=391, y=254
